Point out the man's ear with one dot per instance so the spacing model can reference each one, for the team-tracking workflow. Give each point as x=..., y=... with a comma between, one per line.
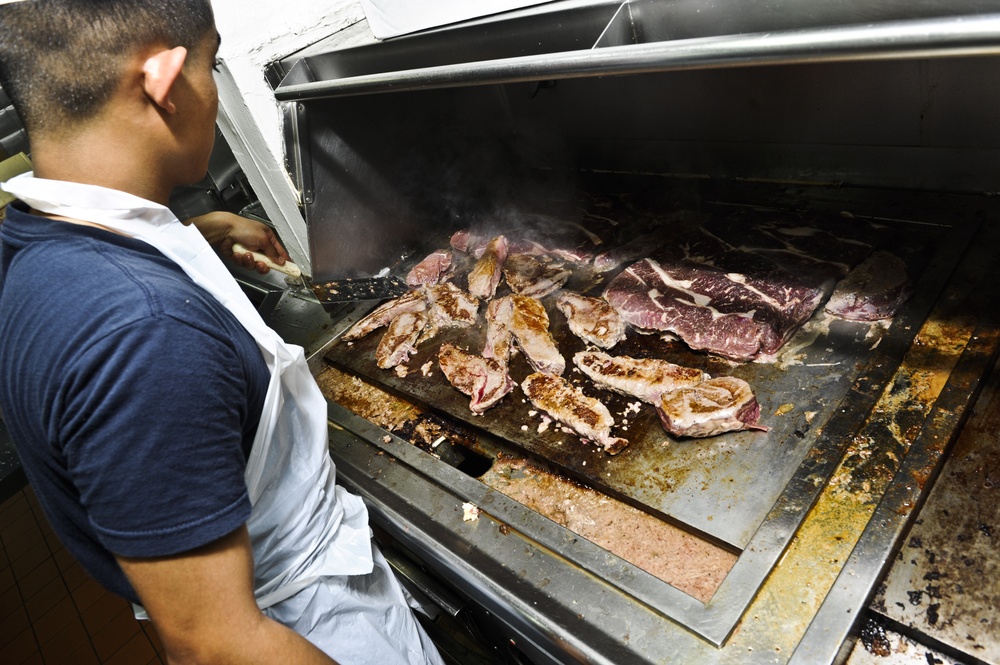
x=160, y=72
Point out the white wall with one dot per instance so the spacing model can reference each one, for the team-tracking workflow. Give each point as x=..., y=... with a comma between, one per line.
x=255, y=33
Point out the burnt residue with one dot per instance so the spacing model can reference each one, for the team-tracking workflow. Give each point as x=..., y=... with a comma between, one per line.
x=874, y=639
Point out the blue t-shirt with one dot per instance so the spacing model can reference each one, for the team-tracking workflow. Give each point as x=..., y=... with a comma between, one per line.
x=131, y=394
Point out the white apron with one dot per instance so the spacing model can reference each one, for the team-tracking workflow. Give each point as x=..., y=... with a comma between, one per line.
x=309, y=536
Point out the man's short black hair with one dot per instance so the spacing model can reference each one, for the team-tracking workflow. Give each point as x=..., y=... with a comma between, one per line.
x=61, y=60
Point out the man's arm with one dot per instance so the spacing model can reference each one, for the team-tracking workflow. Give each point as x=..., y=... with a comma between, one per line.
x=222, y=229
x=202, y=605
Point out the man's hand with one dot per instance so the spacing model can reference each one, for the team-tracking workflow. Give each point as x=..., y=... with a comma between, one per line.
x=224, y=228
x=202, y=605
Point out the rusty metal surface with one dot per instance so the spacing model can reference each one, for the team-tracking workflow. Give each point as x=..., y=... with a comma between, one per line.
x=713, y=485
x=944, y=582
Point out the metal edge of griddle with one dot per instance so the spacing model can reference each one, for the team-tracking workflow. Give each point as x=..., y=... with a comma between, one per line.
x=938, y=37
x=909, y=487
x=471, y=569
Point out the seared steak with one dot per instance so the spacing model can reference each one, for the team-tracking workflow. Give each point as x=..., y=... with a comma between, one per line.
x=399, y=341
x=563, y=401
x=431, y=270
x=529, y=276
x=529, y=323
x=722, y=404
x=591, y=319
x=448, y=307
x=499, y=338
x=645, y=378
x=874, y=290
x=412, y=301
x=484, y=379
x=485, y=275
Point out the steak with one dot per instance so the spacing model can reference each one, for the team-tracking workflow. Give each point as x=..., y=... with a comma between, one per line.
x=484, y=379
x=592, y=319
x=722, y=404
x=431, y=270
x=648, y=298
x=645, y=378
x=529, y=324
x=530, y=276
x=499, y=338
x=563, y=401
x=448, y=307
x=874, y=290
x=411, y=301
x=485, y=275
x=399, y=341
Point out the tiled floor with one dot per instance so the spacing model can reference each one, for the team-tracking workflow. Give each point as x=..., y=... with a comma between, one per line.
x=51, y=612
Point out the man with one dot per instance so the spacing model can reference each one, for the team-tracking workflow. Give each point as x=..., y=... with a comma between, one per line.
x=176, y=444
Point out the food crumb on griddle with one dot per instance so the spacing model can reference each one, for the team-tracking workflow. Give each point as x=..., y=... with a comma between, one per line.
x=401, y=371
x=427, y=368
x=470, y=512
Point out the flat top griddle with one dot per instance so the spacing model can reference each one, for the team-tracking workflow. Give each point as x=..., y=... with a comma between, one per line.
x=722, y=486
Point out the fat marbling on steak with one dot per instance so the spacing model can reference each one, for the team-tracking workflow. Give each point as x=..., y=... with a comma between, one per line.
x=592, y=319
x=722, y=404
x=530, y=276
x=872, y=291
x=565, y=402
x=486, y=274
x=645, y=378
x=647, y=297
x=431, y=270
x=485, y=380
x=400, y=339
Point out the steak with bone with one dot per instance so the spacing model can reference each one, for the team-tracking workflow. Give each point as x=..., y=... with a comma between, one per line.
x=872, y=291
x=529, y=276
x=722, y=404
x=485, y=380
x=645, y=378
x=565, y=403
x=431, y=270
x=486, y=274
x=592, y=319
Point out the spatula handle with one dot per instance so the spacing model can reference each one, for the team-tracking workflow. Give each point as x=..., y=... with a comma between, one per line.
x=288, y=268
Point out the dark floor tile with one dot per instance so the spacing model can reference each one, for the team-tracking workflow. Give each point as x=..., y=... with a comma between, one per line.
x=88, y=593
x=49, y=625
x=20, y=647
x=12, y=625
x=84, y=655
x=7, y=580
x=43, y=601
x=23, y=524
x=63, y=558
x=41, y=576
x=10, y=601
x=12, y=508
x=30, y=560
x=19, y=541
x=136, y=650
x=154, y=637
x=102, y=611
x=72, y=637
x=33, y=659
x=74, y=576
x=112, y=637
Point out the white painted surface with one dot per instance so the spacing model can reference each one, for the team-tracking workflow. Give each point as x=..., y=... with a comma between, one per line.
x=255, y=33
x=391, y=18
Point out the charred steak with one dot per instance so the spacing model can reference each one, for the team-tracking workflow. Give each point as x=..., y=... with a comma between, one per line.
x=485, y=275
x=563, y=401
x=400, y=339
x=411, y=301
x=529, y=276
x=529, y=323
